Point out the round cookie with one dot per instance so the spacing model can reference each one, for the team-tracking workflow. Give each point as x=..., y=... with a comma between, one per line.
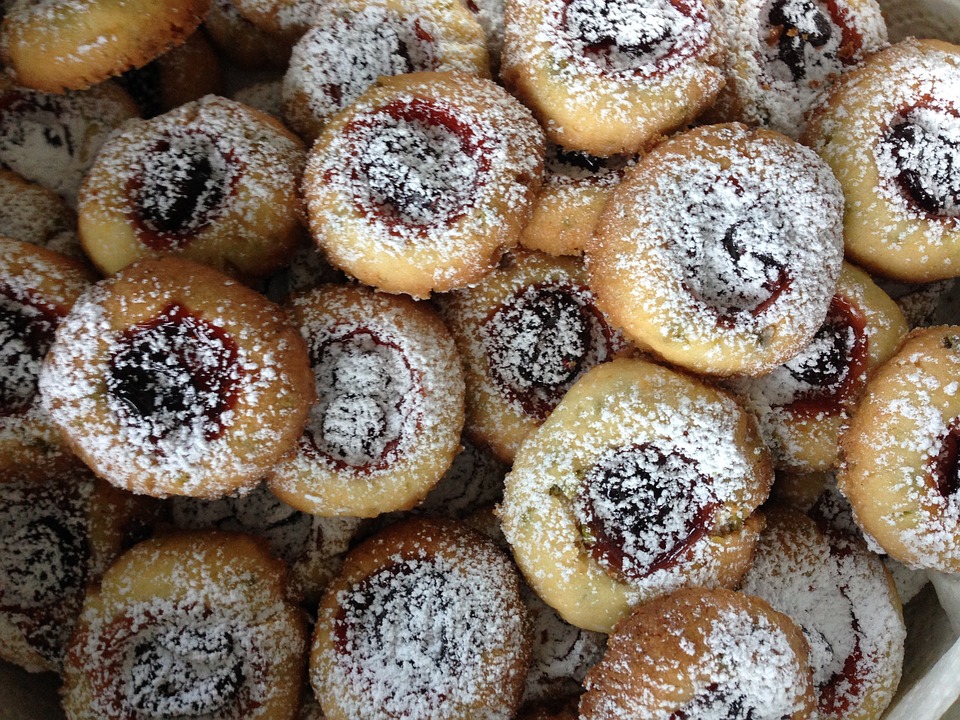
x=888, y=130
x=37, y=215
x=213, y=180
x=441, y=596
x=642, y=480
x=193, y=625
x=720, y=250
x=611, y=77
x=525, y=333
x=170, y=378
x=357, y=41
x=423, y=182
x=389, y=411
x=804, y=404
x=702, y=654
x=900, y=453
x=243, y=43
x=75, y=44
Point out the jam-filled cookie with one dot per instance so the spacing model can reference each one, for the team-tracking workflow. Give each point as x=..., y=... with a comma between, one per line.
x=357, y=41
x=445, y=600
x=804, y=404
x=703, y=654
x=243, y=43
x=213, y=181
x=642, y=480
x=423, y=182
x=721, y=248
x=889, y=130
x=194, y=625
x=576, y=188
x=780, y=56
x=610, y=77
x=846, y=603
x=526, y=333
x=37, y=215
x=287, y=19
x=312, y=546
x=172, y=379
x=389, y=410
x=59, y=530
x=38, y=287
x=52, y=140
x=901, y=450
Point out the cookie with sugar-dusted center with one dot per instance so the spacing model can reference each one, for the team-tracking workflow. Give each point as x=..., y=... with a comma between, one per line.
x=190, y=625
x=389, y=411
x=356, y=41
x=38, y=287
x=525, y=333
x=74, y=44
x=424, y=181
x=171, y=378
x=721, y=249
x=611, y=77
x=804, y=404
x=889, y=131
x=705, y=654
x=444, y=600
x=900, y=453
x=642, y=480
x=212, y=180
x=781, y=55
x=845, y=601
x=52, y=140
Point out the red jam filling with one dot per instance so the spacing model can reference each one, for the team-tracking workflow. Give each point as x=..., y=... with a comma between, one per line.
x=943, y=467
x=421, y=165
x=801, y=29
x=27, y=327
x=367, y=395
x=540, y=340
x=639, y=510
x=173, y=371
x=181, y=188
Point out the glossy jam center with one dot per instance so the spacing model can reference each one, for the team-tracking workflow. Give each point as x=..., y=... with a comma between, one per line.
x=27, y=328
x=925, y=148
x=641, y=507
x=944, y=465
x=175, y=376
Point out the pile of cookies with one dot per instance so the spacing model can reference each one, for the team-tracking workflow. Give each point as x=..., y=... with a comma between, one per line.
x=470, y=359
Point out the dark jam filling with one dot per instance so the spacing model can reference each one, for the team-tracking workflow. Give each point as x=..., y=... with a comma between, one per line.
x=927, y=158
x=366, y=391
x=540, y=340
x=421, y=165
x=943, y=467
x=806, y=32
x=25, y=118
x=181, y=188
x=717, y=702
x=27, y=327
x=185, y=672
x=628, y=35
x=836, y=372
x=175, y=371
x=639, y=510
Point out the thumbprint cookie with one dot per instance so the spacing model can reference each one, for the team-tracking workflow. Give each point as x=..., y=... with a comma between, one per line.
x=38, y=287
x=188, y=626
x=389, y=410
x=845, y=601
x=803, y=404
x=609, y=77
x=75, y=44
x=889, y=130
x=426, y=621
x=213, y=181
x=424, y=181
x=721, y=249
x=704, y=654
x=241, y=42
x=900, y=453
x=172, y=379
x=642, y=480
x=526, y=333
x=780, y=56
x=358, y=41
